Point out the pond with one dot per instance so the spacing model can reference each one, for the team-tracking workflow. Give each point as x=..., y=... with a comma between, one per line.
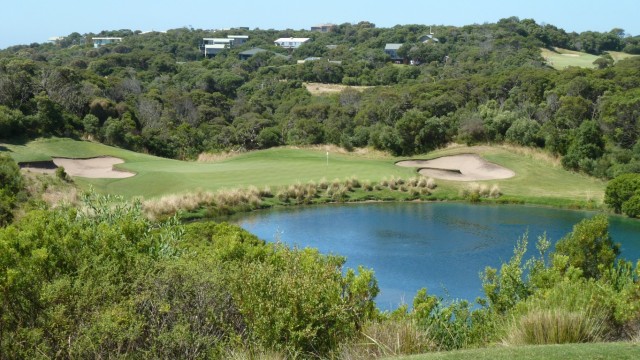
x=440, y=246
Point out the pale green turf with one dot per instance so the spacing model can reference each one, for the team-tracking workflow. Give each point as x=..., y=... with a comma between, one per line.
x=537, y=180
x=562, y=58
x=624, y=350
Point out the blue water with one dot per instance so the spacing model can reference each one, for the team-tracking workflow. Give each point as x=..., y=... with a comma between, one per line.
x=440, y=246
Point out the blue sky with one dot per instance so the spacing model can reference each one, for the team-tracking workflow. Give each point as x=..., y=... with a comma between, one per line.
x=28, y=21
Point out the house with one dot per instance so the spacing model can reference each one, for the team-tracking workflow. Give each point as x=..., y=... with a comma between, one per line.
x=101, y=41
x=238, y=39
x=429, y=38
x=324, y=28
x=291, y=42
x=392, y=51
x=213, y=46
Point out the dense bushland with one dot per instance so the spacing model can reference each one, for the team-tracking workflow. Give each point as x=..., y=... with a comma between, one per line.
x=155, y=93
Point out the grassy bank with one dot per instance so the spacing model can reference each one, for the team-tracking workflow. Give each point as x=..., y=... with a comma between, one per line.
x=613, y=350
x=539, y=178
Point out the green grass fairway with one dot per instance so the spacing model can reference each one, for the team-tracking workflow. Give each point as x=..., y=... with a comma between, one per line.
x=562, y=58
x=543, y=352
x=538, y=179
x=158, y=176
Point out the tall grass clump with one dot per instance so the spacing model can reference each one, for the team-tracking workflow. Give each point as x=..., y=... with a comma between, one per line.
x=387, y=338
x=431, y=183
x=556, y=326
x=474, y=192
x=171, y=204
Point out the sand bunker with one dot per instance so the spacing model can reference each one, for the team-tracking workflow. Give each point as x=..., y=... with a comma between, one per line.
x=100, y=167
x=464, y=167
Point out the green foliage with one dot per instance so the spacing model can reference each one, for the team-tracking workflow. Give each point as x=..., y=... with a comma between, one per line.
x=11, y=188
x=621, y=190
x=589, y=247
x=103, y=281
x=454, y=325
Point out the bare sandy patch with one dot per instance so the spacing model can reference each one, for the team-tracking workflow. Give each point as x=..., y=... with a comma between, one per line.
x=95, y=168
x=464, y=167
x=100, y=167
x=320, y=88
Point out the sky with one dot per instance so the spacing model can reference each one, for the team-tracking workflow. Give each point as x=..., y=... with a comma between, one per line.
x=29, y=21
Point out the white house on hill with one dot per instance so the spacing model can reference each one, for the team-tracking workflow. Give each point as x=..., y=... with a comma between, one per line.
x=213, y=46
x=100, y=41
x=291, y=42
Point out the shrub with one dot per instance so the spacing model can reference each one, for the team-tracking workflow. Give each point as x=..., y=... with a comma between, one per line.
x=589, y=247
x=62, y=174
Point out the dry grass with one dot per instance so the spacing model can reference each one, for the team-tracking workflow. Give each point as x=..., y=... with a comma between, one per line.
x=556, y=327
x=171, y=204
x=475, y=191
x=52, y=190
x=534, y=154
x=215, y=157
x=389, y=338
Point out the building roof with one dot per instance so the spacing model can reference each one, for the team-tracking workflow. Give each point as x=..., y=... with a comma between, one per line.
x=218, y=40
x=238, y=36
x=252, y=52
x=106, y=38
x=292, y=39
x=215, y=46
x=392, y=46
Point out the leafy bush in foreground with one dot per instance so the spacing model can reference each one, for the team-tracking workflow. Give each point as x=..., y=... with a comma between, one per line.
x=103, y=281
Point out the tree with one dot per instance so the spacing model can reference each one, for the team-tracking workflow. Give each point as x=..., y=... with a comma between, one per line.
x=589, y=247
x=620, y=190
x=588, y=144
x=524, y=132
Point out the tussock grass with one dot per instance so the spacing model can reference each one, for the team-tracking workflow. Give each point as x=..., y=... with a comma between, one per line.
x=556, y=326
x=171, y=204
x=431, y=183
x=389, y=338
x=475, y=191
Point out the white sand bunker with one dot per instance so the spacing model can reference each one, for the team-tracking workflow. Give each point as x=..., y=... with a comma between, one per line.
x=464, y=167
x=99, y=167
